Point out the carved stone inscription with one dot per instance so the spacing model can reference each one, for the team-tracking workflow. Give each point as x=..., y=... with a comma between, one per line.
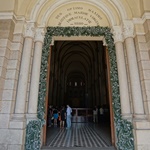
x=76, y=16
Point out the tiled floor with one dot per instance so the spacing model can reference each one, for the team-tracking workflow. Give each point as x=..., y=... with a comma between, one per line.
x=81, y=136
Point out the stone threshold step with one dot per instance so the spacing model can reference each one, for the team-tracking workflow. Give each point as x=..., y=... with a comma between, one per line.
x=77, y=148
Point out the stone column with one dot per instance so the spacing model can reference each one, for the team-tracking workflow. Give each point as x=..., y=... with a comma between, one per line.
x=33, y=97
x=133, y=70
x=24, y=71
x=122, y=74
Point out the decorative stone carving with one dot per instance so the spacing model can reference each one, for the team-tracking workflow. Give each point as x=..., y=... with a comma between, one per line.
x=29, y=30
x=128, y=29
x=39, y=35
x=117, y=34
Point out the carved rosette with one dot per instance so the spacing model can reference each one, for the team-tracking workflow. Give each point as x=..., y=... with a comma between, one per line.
x=117, y=34
x=39, y=35
x=128, y=29
x=29, y=30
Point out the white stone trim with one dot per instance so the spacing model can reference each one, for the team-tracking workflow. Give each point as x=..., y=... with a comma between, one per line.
x=11, y=15
x=141, y=20
x=78, y=38
x=138, y=21
x=7, y=16
x=36, y=9
x=146, y=16
x=120, y=7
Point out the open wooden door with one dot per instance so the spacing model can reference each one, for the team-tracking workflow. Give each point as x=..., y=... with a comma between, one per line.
x=46, y=97
x=110, y=99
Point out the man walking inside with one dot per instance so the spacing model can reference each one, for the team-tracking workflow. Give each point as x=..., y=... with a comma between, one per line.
x=68, y=112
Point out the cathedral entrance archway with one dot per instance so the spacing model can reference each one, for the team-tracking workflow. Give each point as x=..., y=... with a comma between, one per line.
x=124, y=126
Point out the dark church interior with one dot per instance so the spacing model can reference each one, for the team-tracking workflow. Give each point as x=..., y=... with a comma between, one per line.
x=79, y=77
x=78, y=74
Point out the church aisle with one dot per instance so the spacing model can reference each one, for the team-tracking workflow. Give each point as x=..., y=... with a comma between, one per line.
x=80, y=136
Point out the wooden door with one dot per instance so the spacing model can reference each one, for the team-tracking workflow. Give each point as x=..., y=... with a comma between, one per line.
x=46, y=97
x=110, y=99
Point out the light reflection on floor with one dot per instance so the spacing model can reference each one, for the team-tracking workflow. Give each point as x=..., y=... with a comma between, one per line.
x=81, y=135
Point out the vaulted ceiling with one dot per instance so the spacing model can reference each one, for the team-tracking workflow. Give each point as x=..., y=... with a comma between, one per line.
x=82, y=62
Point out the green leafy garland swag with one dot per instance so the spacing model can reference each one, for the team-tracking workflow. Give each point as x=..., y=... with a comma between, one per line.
x=123, y=127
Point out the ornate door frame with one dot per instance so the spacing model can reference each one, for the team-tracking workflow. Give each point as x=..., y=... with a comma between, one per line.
x=123, y=128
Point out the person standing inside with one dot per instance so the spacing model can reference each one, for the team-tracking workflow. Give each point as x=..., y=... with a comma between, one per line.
x=95, y=114
x=55, y=115
x=50, y=115
x=101, y=110
x=68, y=112
x=63, y=117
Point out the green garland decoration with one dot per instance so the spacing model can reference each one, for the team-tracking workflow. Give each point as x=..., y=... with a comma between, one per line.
x=123, y=128
x=33, y=141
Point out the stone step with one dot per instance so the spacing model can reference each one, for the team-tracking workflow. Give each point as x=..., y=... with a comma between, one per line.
x=77, y=148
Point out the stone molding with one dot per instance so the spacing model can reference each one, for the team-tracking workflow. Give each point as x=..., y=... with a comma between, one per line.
x=117, y=34
x=39, y=34
x=29, y=30
x=7, y=16
x=145, y=17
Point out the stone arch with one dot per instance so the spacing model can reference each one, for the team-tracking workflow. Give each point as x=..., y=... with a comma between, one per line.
x=117, y=7
x=102, y=7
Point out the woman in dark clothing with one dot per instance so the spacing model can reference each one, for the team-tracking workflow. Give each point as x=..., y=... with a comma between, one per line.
x=55, y=115
x=50, y=115
x=63, y=117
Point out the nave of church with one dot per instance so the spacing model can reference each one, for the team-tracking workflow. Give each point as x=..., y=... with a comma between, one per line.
x=78, y=76
x=78, y=73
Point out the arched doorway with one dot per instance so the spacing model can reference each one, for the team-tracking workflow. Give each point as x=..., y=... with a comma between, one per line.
x=89, y=31
x=78, y=67
x=120, y=124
